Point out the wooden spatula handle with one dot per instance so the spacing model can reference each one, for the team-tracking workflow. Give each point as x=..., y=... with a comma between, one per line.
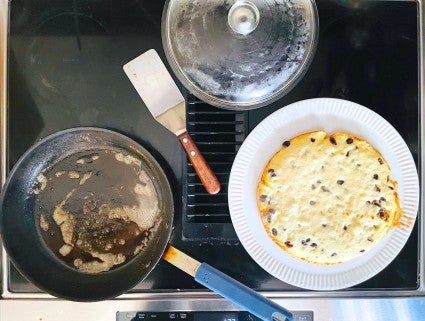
x=205, y=174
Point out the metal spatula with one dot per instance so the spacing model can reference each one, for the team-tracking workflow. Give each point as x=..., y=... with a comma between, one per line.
x=158, y=91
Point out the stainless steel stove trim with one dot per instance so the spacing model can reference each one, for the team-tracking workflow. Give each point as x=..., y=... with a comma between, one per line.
x=421, y=100
x=400, y=309
x=4, y=28
x=3, y=84
x=44, y=304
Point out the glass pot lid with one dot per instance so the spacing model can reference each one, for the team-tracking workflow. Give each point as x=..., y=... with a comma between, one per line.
x=239, y=54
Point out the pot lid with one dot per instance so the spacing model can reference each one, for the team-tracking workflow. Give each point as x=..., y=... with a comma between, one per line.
x=239, y=54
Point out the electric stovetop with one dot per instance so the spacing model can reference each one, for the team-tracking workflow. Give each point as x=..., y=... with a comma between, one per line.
x=65, y=70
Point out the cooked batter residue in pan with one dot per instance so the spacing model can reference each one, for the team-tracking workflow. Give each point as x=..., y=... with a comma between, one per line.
x=86, y=176
x=43, y=223
x=40, y=183
x=102, y=213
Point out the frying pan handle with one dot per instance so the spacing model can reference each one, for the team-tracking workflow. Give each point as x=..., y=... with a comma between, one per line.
x=205, y=174
x=241, y=295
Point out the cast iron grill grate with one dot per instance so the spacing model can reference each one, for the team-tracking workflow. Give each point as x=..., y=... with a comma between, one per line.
x=218, y=135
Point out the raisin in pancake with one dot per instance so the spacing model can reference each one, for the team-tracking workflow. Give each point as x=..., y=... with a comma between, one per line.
x=327, y=199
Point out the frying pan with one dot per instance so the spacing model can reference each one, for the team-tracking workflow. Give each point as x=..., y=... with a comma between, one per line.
x=49, y=179
x=20, y=218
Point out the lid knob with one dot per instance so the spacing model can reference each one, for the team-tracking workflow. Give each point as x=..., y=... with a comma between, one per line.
x=243, y=17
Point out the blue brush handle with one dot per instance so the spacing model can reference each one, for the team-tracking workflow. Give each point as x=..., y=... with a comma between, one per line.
x=240, y=294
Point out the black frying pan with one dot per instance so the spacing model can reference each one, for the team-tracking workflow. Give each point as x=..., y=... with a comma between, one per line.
x=77, y=171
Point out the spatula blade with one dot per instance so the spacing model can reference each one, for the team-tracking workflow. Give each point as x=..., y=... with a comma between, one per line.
x=158, y=90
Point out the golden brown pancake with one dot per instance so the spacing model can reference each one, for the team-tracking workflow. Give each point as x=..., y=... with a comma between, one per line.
x=327, y=199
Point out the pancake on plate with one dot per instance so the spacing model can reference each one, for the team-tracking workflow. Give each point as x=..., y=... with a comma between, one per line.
x=327, y=199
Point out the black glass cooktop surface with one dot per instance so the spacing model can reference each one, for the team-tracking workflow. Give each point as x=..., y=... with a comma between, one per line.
x=65, y=70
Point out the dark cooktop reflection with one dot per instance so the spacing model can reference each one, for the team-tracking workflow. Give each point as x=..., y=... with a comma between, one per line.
x=64, y=62
x=65, y=70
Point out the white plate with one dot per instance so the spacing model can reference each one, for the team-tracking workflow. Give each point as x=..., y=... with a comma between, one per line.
x=330, y=115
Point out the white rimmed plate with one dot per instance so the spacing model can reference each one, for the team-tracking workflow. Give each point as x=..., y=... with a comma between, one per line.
x=330, y=115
